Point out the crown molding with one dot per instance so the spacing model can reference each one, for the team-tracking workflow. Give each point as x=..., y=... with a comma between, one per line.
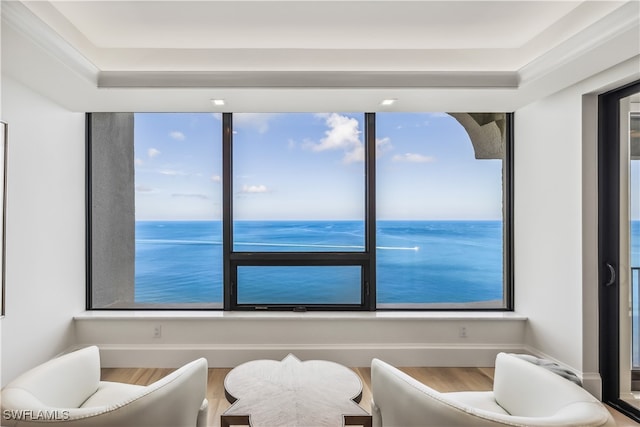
x=21, y=19
x=609, y=41
x=307, y=79
x=623, y=20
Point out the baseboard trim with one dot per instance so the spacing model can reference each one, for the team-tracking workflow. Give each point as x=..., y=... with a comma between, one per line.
x=218, y=356
x=591, y=381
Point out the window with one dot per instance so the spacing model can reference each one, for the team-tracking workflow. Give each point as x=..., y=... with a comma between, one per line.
x=340, y=211
x=298, y=182
x=298, y=211
x=165, y=210
x=439, y=210
x=178, y=166
x=299, y=286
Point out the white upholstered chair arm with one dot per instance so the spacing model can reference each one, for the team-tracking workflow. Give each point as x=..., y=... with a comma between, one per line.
x=173, y=401
x=402, y=401
x=63, y=382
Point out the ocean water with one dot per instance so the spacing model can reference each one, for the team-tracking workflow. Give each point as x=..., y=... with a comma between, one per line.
x=452, y=261
x=178, y=262
x=417, y=262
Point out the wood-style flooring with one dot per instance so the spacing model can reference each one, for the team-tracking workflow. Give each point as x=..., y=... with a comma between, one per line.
x=441, y=379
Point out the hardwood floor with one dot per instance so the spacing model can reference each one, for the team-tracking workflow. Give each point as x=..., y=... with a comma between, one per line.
x=441, y=379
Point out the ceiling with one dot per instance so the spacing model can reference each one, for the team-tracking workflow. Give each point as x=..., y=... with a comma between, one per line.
x=360, y=48
x=314, y=24
x=317, y=35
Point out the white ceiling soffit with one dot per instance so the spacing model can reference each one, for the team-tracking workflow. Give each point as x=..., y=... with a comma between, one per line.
x=476, y=56
x=319, y=43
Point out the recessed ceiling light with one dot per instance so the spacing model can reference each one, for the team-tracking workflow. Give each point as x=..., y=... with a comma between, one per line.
x=217, y=102
x=389, y=101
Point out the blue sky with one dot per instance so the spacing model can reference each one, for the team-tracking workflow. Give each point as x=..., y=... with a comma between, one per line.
x=310, y=166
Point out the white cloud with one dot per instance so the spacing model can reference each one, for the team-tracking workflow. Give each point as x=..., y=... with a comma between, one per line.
x=216, y=178
x=177, y=135
x=432, y=116
x=191, y=196
x=258, y=121
x=138, y=162
x=152, y=152
x=383, y=144
x=343, y=134
x=254, y=189
x=144, y=189
x=171, y=172
x=438, y=115
x=355, y=155
x=412, y=158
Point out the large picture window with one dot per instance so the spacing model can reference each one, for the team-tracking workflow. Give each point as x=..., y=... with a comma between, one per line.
x=298, y=182
x=178, y=195
x=331, y=211
x=439, y=211
x=298, y=211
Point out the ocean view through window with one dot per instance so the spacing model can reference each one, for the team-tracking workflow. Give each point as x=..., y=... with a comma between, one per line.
x=303, y=232
x=178, y=208
x=442, y=196
x=298, y=201
x=297, y=178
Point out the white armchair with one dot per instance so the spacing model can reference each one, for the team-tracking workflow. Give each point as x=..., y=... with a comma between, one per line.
x=67, y=391
x=523, y=394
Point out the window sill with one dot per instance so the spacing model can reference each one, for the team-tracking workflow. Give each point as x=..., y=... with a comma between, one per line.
x=310, y=315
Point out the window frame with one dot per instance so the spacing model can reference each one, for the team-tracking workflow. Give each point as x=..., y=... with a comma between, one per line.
x=366, y=259
x=234, y=259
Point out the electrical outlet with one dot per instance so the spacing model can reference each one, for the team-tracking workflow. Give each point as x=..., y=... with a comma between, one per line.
x=157, y=331
x=463, y=332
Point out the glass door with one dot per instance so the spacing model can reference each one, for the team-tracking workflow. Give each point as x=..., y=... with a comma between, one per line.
x=630, y=122
x=619, y=247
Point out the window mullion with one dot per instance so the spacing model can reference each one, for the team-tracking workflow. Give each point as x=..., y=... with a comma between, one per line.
x=227, y=209
x=369, y=285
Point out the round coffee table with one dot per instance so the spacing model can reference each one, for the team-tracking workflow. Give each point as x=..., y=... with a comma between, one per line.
x=269, y=393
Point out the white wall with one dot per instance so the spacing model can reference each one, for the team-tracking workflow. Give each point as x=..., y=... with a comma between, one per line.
x=126, y=339
x=548, y=229
x=555, y=222
x=45, y=228
x=554, y=253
